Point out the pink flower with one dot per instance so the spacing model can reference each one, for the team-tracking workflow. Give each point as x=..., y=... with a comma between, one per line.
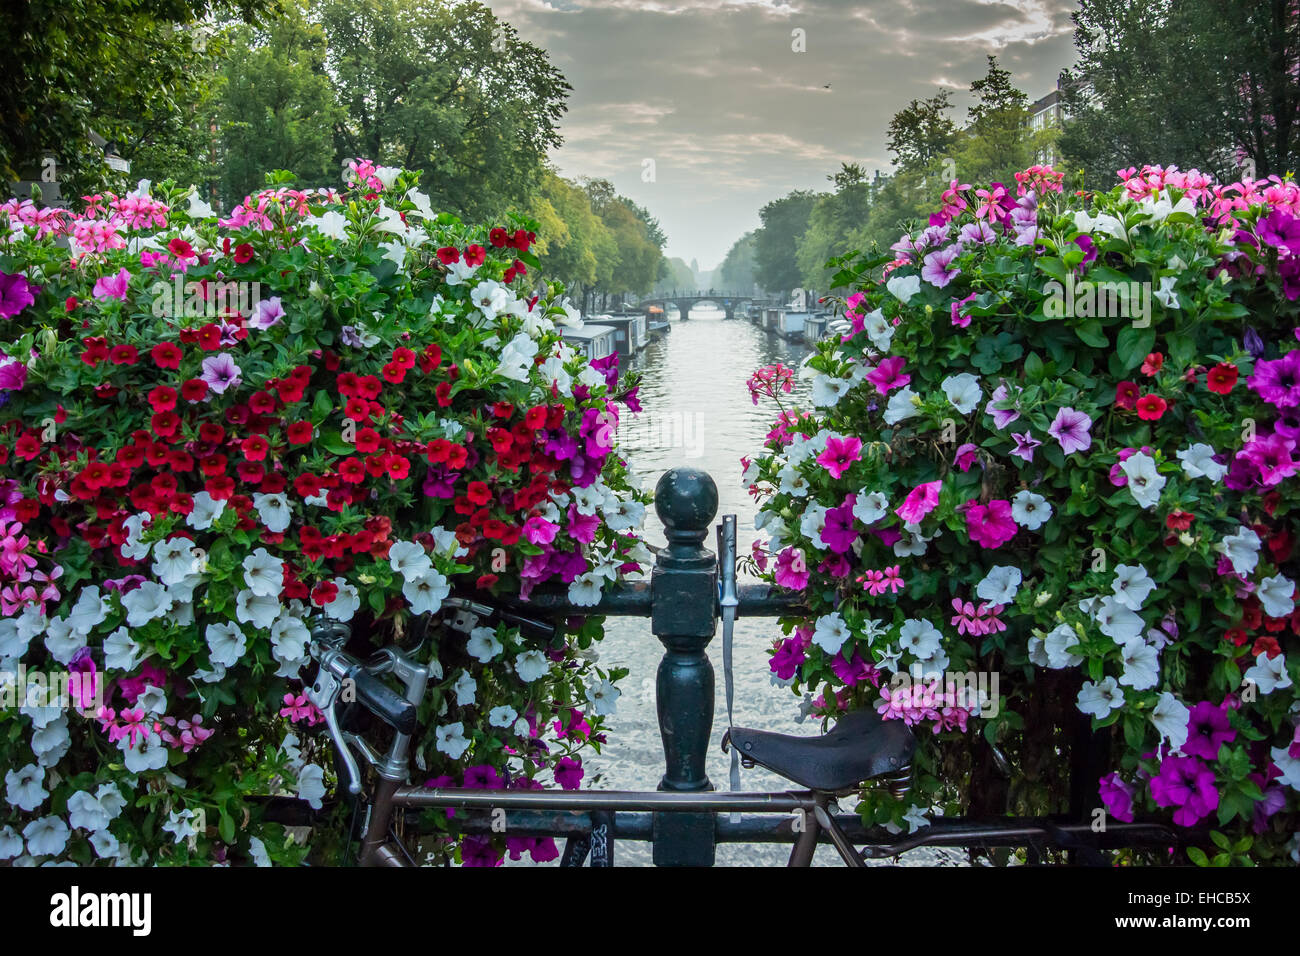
x=967, y=455
x=568, y=773
x=959, y=318
x=991, y=525
x=840, y=454
x=920, y=501
x=888, y=375
x=539, y=531
x=113, y=287
x=791, y=569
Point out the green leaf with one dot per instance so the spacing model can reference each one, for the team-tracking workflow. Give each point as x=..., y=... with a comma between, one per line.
x=1134, y=345
x=1090, y=333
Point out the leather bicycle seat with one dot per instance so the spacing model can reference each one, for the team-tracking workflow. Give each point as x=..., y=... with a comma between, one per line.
x=862, y=745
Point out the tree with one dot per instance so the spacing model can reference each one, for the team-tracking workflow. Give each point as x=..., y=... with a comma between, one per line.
x=921, y=131
x=276, y=106
x=998, y=142
x=572, y=241
x=739, y=270
x=448, y=89
x=775, y=245
x=837, y=224
x=127, y=70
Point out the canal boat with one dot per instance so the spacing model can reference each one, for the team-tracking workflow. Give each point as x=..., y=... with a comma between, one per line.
x=814, y=328
x=631, y=331
x=790, y=325
x=593, y=341
x=657, y=323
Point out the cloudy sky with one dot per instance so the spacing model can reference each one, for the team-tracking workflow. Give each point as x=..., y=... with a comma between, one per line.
x=732, y=116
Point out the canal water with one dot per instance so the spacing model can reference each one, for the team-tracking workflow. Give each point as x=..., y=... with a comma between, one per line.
x=697, y=412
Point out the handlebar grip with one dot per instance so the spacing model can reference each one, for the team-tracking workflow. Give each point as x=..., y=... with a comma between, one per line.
x=394, y=709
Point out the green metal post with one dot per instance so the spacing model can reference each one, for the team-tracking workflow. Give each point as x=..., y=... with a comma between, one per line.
x=684, y=592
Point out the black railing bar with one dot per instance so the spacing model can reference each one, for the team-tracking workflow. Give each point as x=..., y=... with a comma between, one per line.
x=660, y=801
x=633, y=599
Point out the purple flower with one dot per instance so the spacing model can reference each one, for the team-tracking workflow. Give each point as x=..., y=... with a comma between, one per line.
x=581, y=527
x=840, y=454
x=854, y=671
x=13, y=375
x=16, y=294
x=483, y=777
x=1207, y=731
x=608, y=366
x=1278, y=382
x=266, y=313
x=1089, y=248
x=568, y=773
x=1002, y=417
x=439, y=483
x=979, y=232
x=938, y=269
x=220, y=372
x=478, y=851
x=1254, y=344
x=967, y=455
x=1271, y=457
x=959, y=318
x=838, y=533
x=1117, y=796
x=1071, y=429
x=113, y=287
x=789, y=655
x=1025, y=445
x=1188, y=785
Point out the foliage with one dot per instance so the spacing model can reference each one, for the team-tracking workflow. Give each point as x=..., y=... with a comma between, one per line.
x=784, y=221
x=1057, y=448
x=215, y=428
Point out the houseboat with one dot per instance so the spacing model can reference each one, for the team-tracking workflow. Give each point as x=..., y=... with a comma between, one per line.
x=593, y=341
x=814, y=327
x=631, y=330
x=657, y=323
x=790, y=325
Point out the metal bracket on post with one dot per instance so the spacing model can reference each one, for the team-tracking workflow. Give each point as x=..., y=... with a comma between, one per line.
x=684, y=591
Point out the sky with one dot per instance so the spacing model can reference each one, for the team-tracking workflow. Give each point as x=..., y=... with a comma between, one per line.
x=702, y=110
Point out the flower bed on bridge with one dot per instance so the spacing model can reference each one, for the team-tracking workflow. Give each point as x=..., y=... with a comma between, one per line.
x=211, y=427
x=1055, y=461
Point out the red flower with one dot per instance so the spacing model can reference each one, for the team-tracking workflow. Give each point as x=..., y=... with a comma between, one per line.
x=255, y=448
x=367, y=441
x=475, y=255
x=369, y=387
x=1153, y=363
x=501, y=439
x=123, y=355
x=262, y=403
x=404, y=357
x=220, y=487
x=324, y=593
x=431, y=358
x=1126, y=395
x=211, y=433
x=210, y=337
x=357, y=409
x=394, y=373
x=398, y=467
x=165, y=424
x=448, y=254
x=1236, y=635
x=69, y=303
x=163, y=398
x=96, y=350
x=443, y=394
x=498, y=237
x=352, y=470
x=485, y=582
x=508, y=277
x=1266, y=645
x=307, y=485
x=503, y=410
x=1221, y=378
x=212, y=465
x=243, y=252
x=194, y=389
x=478, y=493
x=1179, y=520
x=437, y=451
x=166, y=355
x=1151, y=407
x=456, y=457
x=519, y=267
x=180, y=248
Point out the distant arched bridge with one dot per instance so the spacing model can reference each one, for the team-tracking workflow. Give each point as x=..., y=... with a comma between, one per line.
x=728, y=302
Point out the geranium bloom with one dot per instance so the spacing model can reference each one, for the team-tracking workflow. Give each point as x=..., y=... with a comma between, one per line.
x=1071, y=429
x=840, y=454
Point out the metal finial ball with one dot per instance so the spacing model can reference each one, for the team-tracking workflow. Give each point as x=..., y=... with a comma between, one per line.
x=686, y=498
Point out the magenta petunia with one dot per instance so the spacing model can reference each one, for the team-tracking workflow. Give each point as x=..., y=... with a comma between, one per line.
x=840, y=454
x=991, y=525
x=920, y=501
x=889, y=375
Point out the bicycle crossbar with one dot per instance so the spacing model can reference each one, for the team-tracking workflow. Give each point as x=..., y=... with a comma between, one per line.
x=657, y=801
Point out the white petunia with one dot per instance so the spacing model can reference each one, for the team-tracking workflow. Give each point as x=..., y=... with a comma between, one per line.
x=332, y=223
x=11, y=844
x=62, y=641
x=1030, y=510
x=1000, y=585
x=902, y=405
x=1132, y=586
x=206, y=510
x=1144, y=481
x=345, y=603
x=145, y=603
x=409, y=559
x=47, y=836
x=904, y=287
x=105, y=845
x=259, y=610
x=920, y=637
x=121, y=652
x=465, y=689
x=1056, y=646
x=1277, y=594
x=274, y=510
x=791, y=481
x=85, y=812
x=148, y=753
x=1141, y=665
x=812, y=523
x=51, y=742
x=311, y=785
x=1268, y=673
x=264, y=573
x=451, y=740
x=1170, y=718
x=585, y=590
x=827, y=391
x=963, y=391
x=870, y=508
x=879, y=329
x=226, y=642
x=1117, y=621
x=175, y=560
x=1242, y=550
x=133, y=547
x=90, y=610
x=289, y=641
x=483, y=644
x=1198, y=462
x=831, y=632
x=23, y=787
x=530, y=665
x=1290, y=767
x=603, y=697
x=427, y=592
x=1101, y=698
x=502, y=716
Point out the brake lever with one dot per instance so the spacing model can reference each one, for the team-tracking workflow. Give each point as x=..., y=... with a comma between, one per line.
x=327, y=639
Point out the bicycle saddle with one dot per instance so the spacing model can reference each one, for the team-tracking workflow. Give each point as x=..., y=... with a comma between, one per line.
x=862, y=745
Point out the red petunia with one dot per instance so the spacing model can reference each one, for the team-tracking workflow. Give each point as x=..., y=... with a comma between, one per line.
x=1221, y=378
x=262, y=403
x=194, y=390
x=443, y=394
x=209, y=337
x=352, y=470
x=1179, y=520
x=479, y=493
x=485, y=582
x=300, y=433
x=404, y=357
x=220, y=487
x=535, y=417
x=243, y=252
x=1153, y=363
x=394, y=373
x=475, y=255
x=123, y=355
x=162, y=398
x=398, y=467
x=307, y=485
x=448, y=254
x=1126, y=395
x=498, y=237
x=367, y=441
x=1151, y=407
x=255, y=447
x=167, y=355
x=165, y=424
x=324, y=593
x=96, y=350
x=180, y=248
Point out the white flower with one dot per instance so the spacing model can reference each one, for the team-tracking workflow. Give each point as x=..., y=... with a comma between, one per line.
x=604, y=697
x=226, y=643
x=1242, y=549
x=257, y=609
x=1000, y=585
x=1030, y=510
x=901, y=406
x=517, y=358
x=451, y=740
x=1117, y=621
x=502, y=716
x=920, y=637
x=409, y=559
x=257, y=850
x=827, y=391
x=812, y=523
x=791, y=481
x=870, y=508
x=149, y=753
x=264, y=573
x=11, y=844
x=121, y=652
x=331, y=223
x=963, y=391
x=147, y=602
x=1198, y=462
x=585, y=590
x=1277, y=594
x=111, y=800
x=1037, y=652
x=51, y=742
x=23, y=787
x=1170, y=717
x=1268, y=673
x=554, y=372
x=530, y=665
x=345, y=603
x=46, y=836
x=904, y=287
x=879, y=329
x=206, y=510
x=491, y=298
x=153, y=700
x=465, y=689
x=1055, y=646
x=623, y=514
x=910, y=544
x=1166, y=294
x=1132, y=586
x=1290, y=767
x=289, y=640
x=89, y=612
x=311, y=785
x=62, y=641
x=1101, y=698
x=274, y=510
x=1141, y=665
x=831, y=632
x=133, y=547
x=427, y=592
x=105, y=845
x=1144, y=482
x=483, y=644
x=85, y=813
x=13, y=643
